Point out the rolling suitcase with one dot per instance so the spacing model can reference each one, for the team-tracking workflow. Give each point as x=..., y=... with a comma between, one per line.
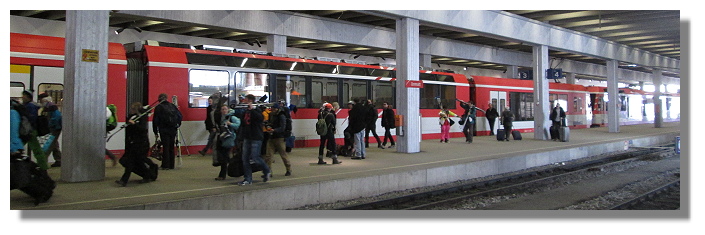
x=564, y=133
x=36, y=182
x=516, y=135
x=500, y=134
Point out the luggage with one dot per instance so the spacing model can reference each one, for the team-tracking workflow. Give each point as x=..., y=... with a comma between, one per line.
x=516, y=135
x=564, y=133
x=235, y=168
x=30, y=179
x=554, y=132
x=148, y=170
x=290, y=143
x=500, y=134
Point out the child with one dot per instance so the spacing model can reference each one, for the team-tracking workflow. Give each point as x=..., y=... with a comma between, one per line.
x=444, y=121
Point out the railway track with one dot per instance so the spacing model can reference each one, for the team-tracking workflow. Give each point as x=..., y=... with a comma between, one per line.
x=513, y=183
x=665, y=197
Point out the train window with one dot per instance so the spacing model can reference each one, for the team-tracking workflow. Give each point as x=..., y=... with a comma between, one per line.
x=204, y=83
x=321, y=68
x=205, y=59
x=382, y=91
x=354, y=89
x=560, y=99
x=427, y=77
x=54, y=90
x=317, y=93
x=521, y=104
x=287, y=65
x=353, y=71
x=254, y=83
x=16, y=89
x=428, y=95
x=445, y=78
x=448, y=96
x=382, y=73
x=296, y=88
x=330, y=93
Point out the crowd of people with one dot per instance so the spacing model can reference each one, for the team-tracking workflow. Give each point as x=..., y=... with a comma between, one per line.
x=251, y=133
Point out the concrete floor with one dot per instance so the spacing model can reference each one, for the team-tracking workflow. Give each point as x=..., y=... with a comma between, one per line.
x=192, y=186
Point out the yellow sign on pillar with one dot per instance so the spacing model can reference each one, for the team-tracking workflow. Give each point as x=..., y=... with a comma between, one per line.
x=89, y=55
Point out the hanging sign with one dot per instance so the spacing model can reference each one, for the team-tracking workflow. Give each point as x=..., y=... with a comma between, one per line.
x=89, y=55
x=414, y=84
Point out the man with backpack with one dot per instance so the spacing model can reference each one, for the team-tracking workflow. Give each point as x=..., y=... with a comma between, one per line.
x=32, y=111
x=165, y=124
x=325, y=127
x=277, y=131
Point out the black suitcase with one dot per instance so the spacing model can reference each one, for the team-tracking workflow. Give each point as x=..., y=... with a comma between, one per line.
x=148, y=170
x=516, y=135
x=235, y=168
x=500, y=134
x=39, y=185
x=554, y=132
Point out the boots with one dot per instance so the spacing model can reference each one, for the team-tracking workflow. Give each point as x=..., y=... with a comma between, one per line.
x=320, y=160
x=335, y=160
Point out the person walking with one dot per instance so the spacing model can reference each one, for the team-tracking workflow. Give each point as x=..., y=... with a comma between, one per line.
x=357, y=127
x=226, y=139
x=212, y=119
x=251, y=130
x=33, y=146
x=165, y=124
x=16, y=144
x=507, y=119
x=136, y=146
x=328, y=140
x=372, y=116
x=445, y=122
x=557, y=116
x=277, y=134
x=469, y=117
x=51, y=112
x=388, y=124
x=491, y=115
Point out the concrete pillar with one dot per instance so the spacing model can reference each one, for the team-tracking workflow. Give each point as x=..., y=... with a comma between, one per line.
x=512, y=71
x=407, y=102
x=570, y=78
x=276, y=44
x=643, y=106
x=613, y=97
x=425, y=61
x=85, y=87
x=542, y=107
x=658, y=117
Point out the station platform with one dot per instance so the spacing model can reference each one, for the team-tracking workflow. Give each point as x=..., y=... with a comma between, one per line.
x=192, y=186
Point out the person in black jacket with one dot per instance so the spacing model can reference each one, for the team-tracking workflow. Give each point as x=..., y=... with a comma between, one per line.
x=358, y=122
x=557, y=115
x=387, y=123
x=328, y=140
x=136, y=147
x=372, y=116
x=469, y=117
x=212, y=118
x=491, y=115
x=507, y=118
x=277, y=133
x=165, y=125
x=251, y=127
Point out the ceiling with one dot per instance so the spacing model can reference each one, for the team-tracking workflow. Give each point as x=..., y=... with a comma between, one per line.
x=650, y=30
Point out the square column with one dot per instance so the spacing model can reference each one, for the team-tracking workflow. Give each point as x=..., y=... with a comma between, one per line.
x=276, y=44
x=542, y=106
x=570, y=78
x=658, y=116
x=425, y=61
x=613, y=105
x=407, y=102
x=512, y=71
x=85, y=87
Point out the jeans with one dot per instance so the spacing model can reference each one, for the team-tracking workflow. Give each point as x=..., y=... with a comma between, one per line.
x=359, y=144
x=251, y=151
x=373, y=129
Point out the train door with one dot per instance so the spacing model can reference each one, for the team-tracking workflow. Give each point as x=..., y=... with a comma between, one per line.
x=499, y=101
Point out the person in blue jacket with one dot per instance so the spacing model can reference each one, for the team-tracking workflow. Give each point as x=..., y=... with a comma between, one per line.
x=226, y=138
x=16, y=144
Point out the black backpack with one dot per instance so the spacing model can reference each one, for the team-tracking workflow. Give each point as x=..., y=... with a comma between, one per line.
x=171, y=117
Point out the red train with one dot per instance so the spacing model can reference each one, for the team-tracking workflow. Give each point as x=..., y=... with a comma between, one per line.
x=141, y=71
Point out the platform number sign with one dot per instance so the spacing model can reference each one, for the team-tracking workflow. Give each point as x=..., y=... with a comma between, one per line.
x=554, y=73
x=526, y=74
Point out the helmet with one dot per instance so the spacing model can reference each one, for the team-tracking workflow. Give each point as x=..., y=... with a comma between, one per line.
x=328, y=106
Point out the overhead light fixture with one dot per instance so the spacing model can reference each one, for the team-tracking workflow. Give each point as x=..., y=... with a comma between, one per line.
x=258, y=44
x=292, y=66
x=132, y=26
x=631, y=65
x=465, y=68
x=118, y=31
x=243, y=62
x=138, y=29
x=382, y=58
x=356, y=56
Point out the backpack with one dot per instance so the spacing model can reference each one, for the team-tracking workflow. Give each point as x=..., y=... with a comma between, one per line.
x=25, y=125
x=321, y=125
x=111, y=122
x=287, y=129
x=171, y=117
